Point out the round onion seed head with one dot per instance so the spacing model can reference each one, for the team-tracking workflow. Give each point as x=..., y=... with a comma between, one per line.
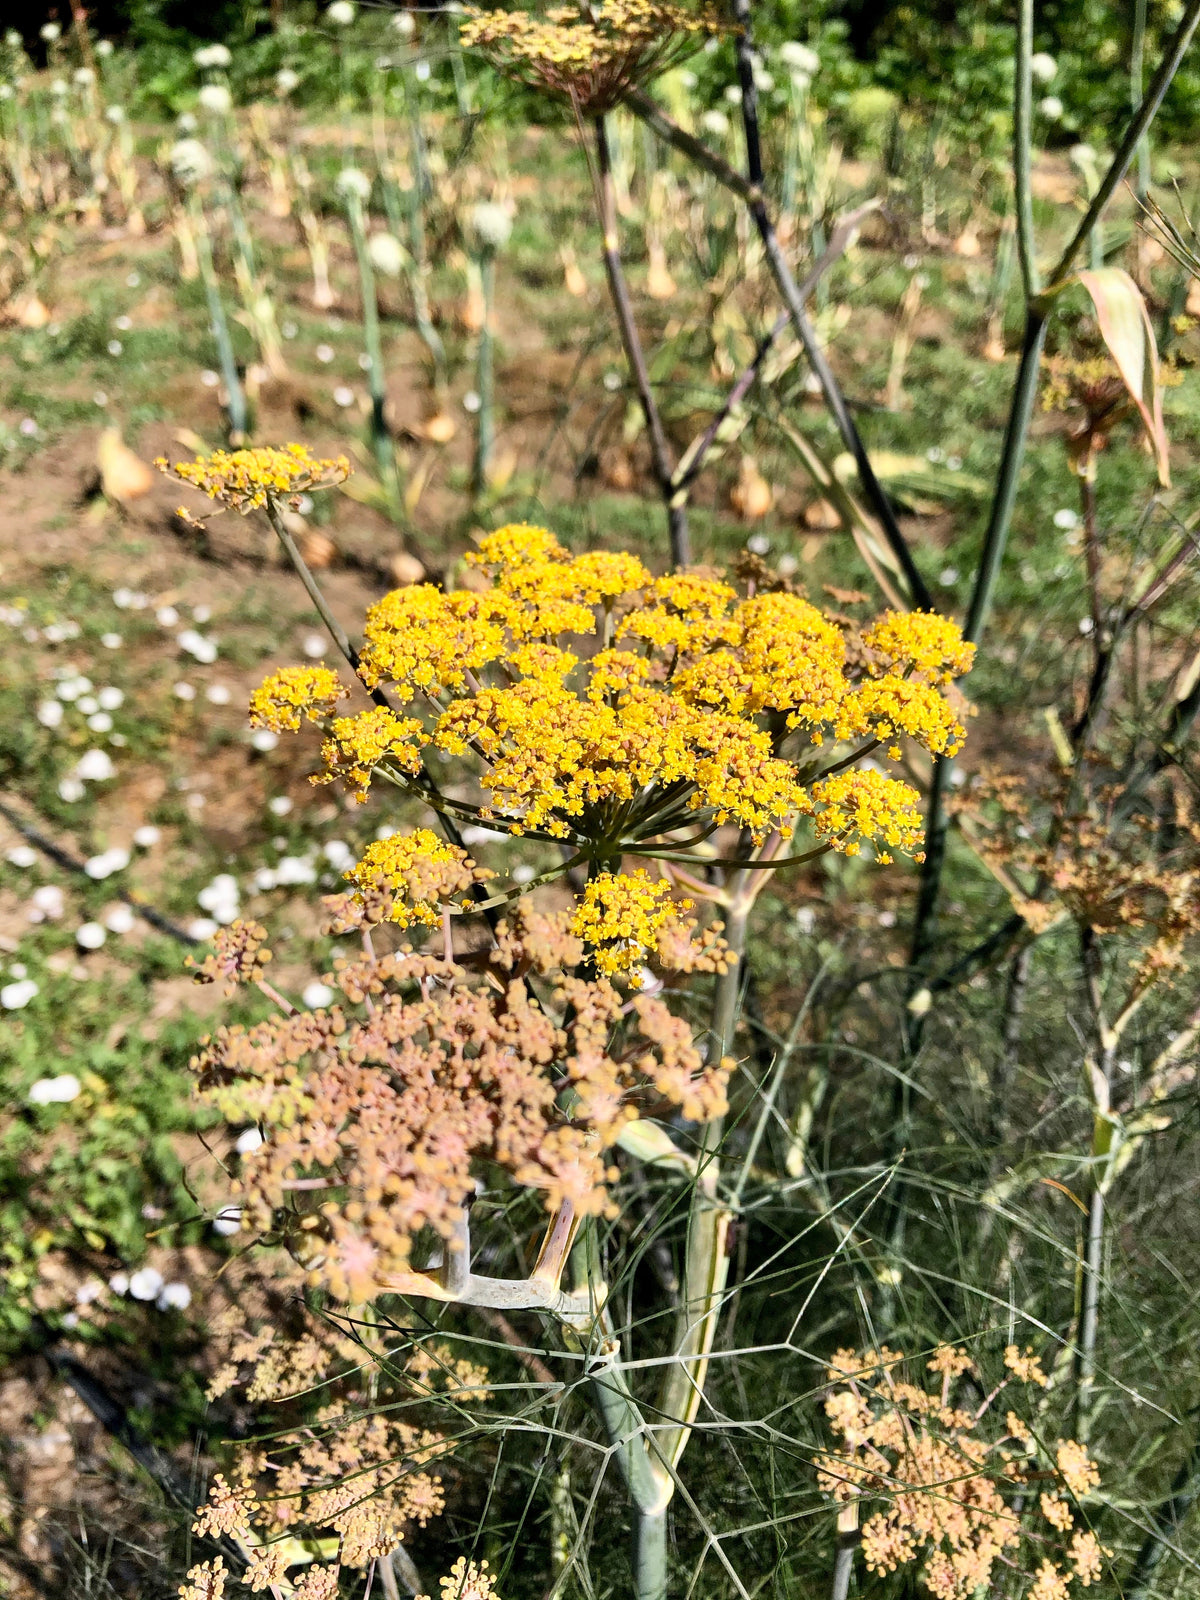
x=386, y=253
x=190, y=162
x=1043, y=66
x=216, y=98
x=491, y=225
x=286, y=80
x=212, y=55
x=340, y=14
x=353, y=183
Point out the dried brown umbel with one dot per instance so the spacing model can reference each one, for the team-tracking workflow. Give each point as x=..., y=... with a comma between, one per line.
x=946, y=1475
x=378, y=1123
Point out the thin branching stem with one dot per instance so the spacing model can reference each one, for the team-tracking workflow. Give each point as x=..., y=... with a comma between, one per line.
x=660, y=450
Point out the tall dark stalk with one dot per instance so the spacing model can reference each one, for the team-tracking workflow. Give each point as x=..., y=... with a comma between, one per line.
x=660, y=450
x=789, y=290
x=1012, y=456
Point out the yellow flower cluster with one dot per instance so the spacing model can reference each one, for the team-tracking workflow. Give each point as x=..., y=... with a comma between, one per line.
x=610, y=708
x=293, y=693
x=620, y=917
x=357, y=745
x=863, y=806
x=247, y=479
x=594, y=61
x=419, y=871
x=930, y=645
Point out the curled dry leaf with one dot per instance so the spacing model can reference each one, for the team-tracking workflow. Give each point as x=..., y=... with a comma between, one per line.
x=1128, y=333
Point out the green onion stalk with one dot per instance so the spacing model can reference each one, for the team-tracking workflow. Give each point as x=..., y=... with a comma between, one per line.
x=238, y=416
x=354, y=186
x=490, y=228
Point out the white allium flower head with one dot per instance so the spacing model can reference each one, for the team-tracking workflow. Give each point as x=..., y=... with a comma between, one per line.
x=15, y=997
x=190, y=161
x=104, y=48
x=212, y=55
x=341, y=13
x=95, y=766
x=59, y=87
x=84, y=76
x=55, y=1091
x=228, y=1222
x=146, y=1284
x=491, y=224
x=386, y=253
x=352, y=181
x=716, y=123
x=286, y=80
x=404, y=24
x=1043, y=66
x=174, y=1297
x=115, y=114
x=1051, y=108
x=800, y=57
x=216, y=98
x=50, y=32
x=186, y=122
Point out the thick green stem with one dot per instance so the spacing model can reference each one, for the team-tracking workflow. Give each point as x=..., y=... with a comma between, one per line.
x=706, y=1253
x=1023, y=148
x=381, y=438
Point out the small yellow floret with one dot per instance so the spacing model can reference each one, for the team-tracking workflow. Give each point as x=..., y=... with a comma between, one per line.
x=514, y=545
x=419, y=869
x=922, y=642
x=866, y=805
x=246, y=479
x=287, y=696
x=620, y=917
x=358, y=744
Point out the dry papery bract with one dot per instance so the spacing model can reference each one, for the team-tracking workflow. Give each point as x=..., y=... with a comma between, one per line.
x=947, y=1467
x=346, y=1462
x=594, y=55
x=381, y=1114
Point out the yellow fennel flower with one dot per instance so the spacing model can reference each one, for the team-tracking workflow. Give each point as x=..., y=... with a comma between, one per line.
x=889, y=707
x=866, y=805
x=246, y=479
x=605, y=575
x=286, y=696
x=423, y=640
x=683, y=612
x=516, y=544
x=620, y=917
x=923, y=642
x=418, y=869
x=357, y=745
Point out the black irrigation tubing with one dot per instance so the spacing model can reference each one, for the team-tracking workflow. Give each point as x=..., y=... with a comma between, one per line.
x=116, y=1421
x=73, y=863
